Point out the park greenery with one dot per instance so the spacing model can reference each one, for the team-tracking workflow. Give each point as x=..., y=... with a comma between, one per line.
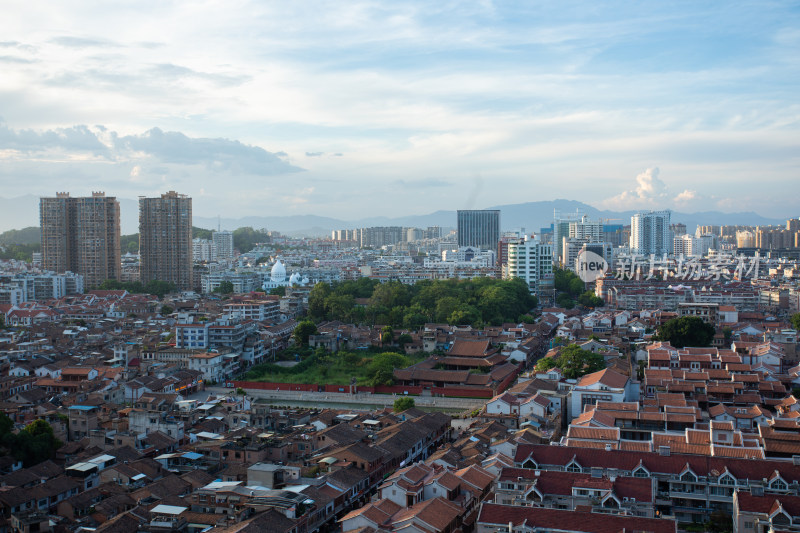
x=571, y=290
x=477, y=302
x=155, y=287
x=129, y=244
x=796, y=321
x=20, y=252
x=573, y=361
x=245, y=239
x=32, y=445
x=29, y=235
x=370, y=367
x=20, y=244
x=686, y=331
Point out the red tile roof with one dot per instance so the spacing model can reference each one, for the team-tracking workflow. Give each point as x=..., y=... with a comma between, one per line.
x=502, y=515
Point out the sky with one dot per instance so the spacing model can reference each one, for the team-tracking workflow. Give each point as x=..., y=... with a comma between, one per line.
x=365, y=108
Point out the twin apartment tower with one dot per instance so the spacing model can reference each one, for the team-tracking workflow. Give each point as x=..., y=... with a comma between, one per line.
x=82, y=235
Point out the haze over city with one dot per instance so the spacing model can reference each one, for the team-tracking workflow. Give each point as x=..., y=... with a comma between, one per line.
x=361, y=109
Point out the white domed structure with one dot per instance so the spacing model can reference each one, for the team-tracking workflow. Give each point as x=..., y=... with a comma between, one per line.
x=278, y=274
x=294, y=279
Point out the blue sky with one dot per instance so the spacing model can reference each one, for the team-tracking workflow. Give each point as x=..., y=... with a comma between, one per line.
x=354, y=109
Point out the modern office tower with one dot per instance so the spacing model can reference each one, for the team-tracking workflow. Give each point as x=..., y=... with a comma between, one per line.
x=223, y=244
x=165, y=239
x=650, y=233
x=530, y=260
x=81, y=235
x=479, y=228
x=561, y=225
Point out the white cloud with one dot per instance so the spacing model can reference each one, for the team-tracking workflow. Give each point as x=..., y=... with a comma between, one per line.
x=520, y=93
x=650, y=191
x=685, y=197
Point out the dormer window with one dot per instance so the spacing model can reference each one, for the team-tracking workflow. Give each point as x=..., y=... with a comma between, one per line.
x=689, y=477
x=778, y=484
x=727, y=479
x=574, y=467
x=641, y=472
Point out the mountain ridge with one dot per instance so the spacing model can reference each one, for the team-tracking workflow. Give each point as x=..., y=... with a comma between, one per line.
x=23, y=211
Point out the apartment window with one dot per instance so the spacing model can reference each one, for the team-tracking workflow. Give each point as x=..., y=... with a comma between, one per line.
x=749, y=525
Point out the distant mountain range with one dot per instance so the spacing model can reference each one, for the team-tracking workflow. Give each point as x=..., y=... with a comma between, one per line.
x=531, y=215
x=23, y=211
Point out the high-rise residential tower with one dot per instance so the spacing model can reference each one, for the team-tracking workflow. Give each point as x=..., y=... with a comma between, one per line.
x=81, y=235
x=651, y=234
x=223, y=244
x=165, y=239
x=479, y=228
x=532, y=261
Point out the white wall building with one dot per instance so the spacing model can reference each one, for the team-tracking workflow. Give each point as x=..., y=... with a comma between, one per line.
x=651, y=234
x=223, y=245
x=605, y=385
x=202, y=250
x=530, y=260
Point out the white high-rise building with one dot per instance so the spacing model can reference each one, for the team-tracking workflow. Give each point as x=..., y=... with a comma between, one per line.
x=685, y=245
x=223, y=244
x=530, y=260
x=202, y=250
x=588, y=230
x=651, y=234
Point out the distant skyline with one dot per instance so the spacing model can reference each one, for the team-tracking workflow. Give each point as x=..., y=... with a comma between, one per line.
x=361, y=109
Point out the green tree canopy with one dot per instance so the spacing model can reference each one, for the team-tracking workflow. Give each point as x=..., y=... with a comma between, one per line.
x=588, y=299
x=380, y=370
x=34, y=444
x=796, y=321
x=403, y=404
x=476, y=302
x=225, y=287
x=166, y=310
x=201, y=233
x=403, y=339
x=129, y=243
x=571, y=289
x=545, y=363
x=245, y=239
x=686, y=331
x=317, y=301
x=302, y=331
x=573, y=362
x=155, y=287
